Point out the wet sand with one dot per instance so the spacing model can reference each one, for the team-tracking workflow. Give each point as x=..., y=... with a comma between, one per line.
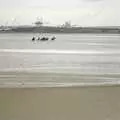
x=72, y=103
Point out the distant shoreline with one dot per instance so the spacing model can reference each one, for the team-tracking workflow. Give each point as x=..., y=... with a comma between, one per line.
x=56, y=30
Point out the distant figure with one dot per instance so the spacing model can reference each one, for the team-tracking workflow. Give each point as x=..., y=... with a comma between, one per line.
x=33, y=39
x=38, y=38
x=44, y=38
x=53, y=38
x=47, y=38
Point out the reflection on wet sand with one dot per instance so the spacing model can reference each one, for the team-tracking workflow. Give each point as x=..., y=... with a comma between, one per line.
x=80, y=103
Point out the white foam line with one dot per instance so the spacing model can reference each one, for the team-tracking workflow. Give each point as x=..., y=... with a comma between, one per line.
x=35, y=85
x=53, y=51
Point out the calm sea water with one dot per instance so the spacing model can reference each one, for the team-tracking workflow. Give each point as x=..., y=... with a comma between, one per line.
x=71, y=58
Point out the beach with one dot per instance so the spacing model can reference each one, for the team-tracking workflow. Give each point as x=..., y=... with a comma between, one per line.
x=72, y=103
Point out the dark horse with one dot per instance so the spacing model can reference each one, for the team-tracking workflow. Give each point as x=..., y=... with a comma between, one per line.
x=44, y=38
x=53, y=38
x=33, y=39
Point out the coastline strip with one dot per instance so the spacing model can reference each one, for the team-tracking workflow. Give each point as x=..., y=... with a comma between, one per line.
x=34, y=80
x=39, y=85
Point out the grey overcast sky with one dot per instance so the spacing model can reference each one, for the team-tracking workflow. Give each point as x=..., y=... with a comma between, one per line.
x=56, y=12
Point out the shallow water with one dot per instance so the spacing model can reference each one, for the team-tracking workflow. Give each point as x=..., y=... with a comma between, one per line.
x=81, y=54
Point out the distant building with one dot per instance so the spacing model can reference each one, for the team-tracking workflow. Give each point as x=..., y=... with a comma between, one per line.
x=67, y=24
x=39, y=22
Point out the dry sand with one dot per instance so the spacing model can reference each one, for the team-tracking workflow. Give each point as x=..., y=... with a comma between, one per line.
x=78, y=103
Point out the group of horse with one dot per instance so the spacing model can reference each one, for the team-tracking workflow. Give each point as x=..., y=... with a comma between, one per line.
x=43, y=38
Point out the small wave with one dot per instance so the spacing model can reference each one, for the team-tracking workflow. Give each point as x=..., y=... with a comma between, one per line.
x=52, y=79
x=54, y=51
